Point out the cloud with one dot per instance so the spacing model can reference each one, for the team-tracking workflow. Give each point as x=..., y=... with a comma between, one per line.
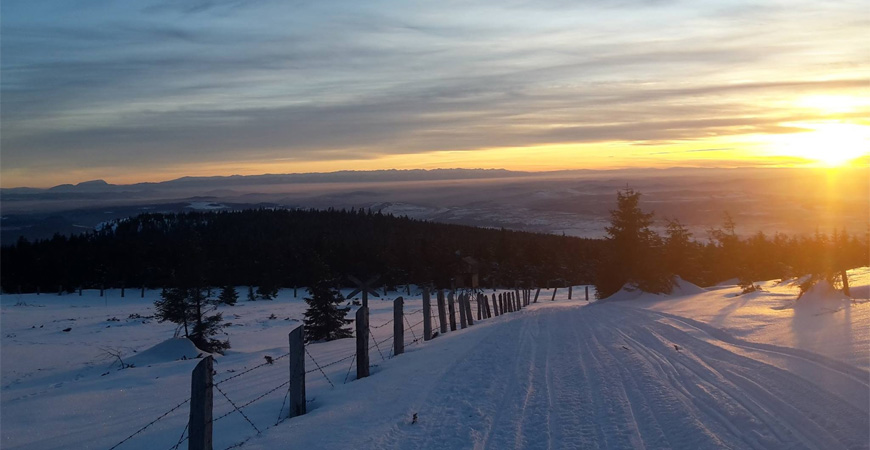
x=168, y=82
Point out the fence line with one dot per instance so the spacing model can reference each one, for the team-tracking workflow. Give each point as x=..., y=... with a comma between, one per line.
x=507, y=303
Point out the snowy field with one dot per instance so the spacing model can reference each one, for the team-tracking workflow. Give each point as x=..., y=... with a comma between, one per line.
x=698, y=369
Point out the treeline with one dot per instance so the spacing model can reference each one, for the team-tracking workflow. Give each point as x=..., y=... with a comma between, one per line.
x=637, y=255
x=274, y=248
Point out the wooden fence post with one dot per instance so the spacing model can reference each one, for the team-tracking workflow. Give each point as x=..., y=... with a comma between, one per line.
x=442, y=312
x=485, y=299
x=451, y=311
x=102, y=288
x=500, y=304
x=142, y=292
x=398, y=326
x=844, y=277
x=537, y=293
x=479, y=307
x=517, y=299
x=468, y=310
x=463, y=321
x=587, y=293
x=297, y=372
x=37, y=290
x=570, y=291
x=362, y=342
x=80, y=291
x=294, y=292
x=122, y=291
x=554, y=294
x=427, y=316
x=494, y=305
x=201, y=401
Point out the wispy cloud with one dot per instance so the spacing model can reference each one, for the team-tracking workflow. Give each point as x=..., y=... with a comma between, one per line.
x=151, y=85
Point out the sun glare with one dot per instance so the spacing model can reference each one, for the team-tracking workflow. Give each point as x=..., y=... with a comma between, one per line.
x=833, y=104
x=830, y=144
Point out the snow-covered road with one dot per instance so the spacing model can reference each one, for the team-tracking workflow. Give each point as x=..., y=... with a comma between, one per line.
x=605, y=375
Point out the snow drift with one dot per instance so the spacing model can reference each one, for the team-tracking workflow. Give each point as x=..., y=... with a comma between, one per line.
x=167, y=351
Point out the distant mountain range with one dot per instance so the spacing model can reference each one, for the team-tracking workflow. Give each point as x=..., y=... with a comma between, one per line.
x=345, y=176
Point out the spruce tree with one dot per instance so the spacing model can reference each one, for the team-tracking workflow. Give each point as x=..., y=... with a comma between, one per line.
x=635, y=250
x=228, y=295
x=172, y=307
x=192, y=309
x=267, y=291
x=324, y=320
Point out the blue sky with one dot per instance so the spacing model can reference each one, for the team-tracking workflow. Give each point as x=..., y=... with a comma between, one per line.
x=150, y=90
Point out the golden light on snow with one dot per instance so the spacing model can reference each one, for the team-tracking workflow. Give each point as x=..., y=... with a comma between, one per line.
x=831, y=144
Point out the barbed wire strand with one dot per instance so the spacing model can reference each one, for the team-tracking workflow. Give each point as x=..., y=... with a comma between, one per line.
x=181, y=438
x=408, y=322
x=379, y=348
x=149, y=424
x=332, y=363
x=348, y=369
x=237, y=408
x=318, y=367
x=381, y=325
x=279, y=419
x=267, y=363
x=414, y=312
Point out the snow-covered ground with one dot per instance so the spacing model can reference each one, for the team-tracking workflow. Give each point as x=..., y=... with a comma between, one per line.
x=706, y=369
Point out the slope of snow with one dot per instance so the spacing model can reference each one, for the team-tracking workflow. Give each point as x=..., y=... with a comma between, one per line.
x=823, y=321
x=173, y=349
x=704, y=369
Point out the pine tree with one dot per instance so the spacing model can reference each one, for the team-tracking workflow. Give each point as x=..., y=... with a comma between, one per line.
x=635, y=250
x=267, y=291
x=680, y=252
x=228, y=295
x=191, y=308
x=324, y=320
x=172, y=307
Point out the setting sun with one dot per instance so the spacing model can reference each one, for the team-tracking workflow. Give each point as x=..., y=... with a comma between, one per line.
x=830, y=143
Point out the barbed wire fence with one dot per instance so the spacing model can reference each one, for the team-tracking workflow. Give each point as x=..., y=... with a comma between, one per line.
x=235, y=402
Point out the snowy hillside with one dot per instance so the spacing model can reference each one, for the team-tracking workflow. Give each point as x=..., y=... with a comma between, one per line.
x=705, y=369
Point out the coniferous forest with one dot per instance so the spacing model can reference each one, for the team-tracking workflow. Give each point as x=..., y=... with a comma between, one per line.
x=272, y=248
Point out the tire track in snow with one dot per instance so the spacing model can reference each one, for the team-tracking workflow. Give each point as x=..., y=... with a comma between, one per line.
x=809, y=418
x=608, y=376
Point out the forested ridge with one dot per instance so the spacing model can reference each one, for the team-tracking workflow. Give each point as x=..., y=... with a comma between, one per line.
x=272, y=248
x=276, y=247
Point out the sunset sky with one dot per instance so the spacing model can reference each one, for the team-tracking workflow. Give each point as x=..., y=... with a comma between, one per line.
x=153, y=90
